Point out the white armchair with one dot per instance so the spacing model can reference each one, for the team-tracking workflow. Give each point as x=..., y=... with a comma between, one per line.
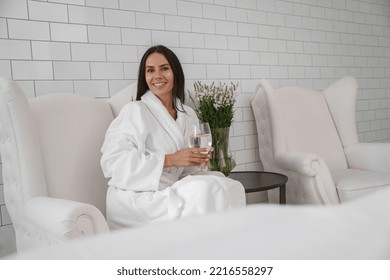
x=50, y=147
x=311, y=137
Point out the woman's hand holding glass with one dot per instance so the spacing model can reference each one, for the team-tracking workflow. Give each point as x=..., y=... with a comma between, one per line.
x=198, y=153
x=187, y=157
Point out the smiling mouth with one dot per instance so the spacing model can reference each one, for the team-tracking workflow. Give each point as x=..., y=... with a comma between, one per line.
x=159, y=85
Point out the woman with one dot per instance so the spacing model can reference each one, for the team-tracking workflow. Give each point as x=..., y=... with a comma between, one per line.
x=146, y=155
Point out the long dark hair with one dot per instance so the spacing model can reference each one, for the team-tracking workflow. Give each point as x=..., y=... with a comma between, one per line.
x=178, y=74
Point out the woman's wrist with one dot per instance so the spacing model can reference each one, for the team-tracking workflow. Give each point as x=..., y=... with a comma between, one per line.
x=167, y=161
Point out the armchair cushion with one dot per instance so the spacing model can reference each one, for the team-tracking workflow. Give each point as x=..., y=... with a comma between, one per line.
x=369, y=156
x=354, y=183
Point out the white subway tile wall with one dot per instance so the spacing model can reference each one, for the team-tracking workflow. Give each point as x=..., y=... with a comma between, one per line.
x=93, y=47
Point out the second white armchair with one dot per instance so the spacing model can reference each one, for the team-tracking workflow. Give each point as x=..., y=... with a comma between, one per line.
x=311, y=137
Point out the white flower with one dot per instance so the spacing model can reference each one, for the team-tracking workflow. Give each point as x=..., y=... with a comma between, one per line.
x=214, y=103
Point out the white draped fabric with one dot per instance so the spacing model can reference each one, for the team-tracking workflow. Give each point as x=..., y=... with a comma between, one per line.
x=140, y=189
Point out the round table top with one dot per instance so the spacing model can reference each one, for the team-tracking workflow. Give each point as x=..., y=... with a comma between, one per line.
x=254, y=181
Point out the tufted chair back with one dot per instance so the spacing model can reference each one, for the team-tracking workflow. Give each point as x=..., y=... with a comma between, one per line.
x=20, y=150
x=311, y=137
x=50, y=146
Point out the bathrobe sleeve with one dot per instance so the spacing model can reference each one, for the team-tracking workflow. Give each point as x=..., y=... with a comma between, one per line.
x=125, y=158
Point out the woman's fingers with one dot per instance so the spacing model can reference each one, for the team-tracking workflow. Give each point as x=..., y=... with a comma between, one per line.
x=200, y=150
x=200, y=156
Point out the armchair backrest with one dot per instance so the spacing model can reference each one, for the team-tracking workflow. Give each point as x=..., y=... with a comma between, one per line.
x=71, y=131
x=121, y=98
x=300, y=120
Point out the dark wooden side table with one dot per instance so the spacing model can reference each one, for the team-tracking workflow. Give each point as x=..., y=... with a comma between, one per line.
x=257, y=181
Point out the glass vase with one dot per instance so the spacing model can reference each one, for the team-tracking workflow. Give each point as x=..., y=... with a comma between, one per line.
x=221, y=157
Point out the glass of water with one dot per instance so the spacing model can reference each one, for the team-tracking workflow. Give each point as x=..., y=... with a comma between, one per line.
x=200, y=137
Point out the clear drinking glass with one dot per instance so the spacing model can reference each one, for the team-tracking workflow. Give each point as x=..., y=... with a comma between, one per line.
x=200, y=137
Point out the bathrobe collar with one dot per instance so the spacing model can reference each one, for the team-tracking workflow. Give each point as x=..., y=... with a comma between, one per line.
x=162, y=115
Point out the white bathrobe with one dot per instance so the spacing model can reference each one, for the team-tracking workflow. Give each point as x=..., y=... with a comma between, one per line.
x=140, y=189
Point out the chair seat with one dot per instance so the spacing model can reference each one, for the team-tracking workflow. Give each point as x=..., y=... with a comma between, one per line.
x=353, y=183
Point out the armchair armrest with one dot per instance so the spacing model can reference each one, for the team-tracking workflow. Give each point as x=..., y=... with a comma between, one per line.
x=65, y=219
x=303, y=163
x=314, y=179
x=369, y=156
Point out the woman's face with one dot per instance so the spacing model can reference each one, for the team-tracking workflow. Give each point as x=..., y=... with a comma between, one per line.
x=159, y=75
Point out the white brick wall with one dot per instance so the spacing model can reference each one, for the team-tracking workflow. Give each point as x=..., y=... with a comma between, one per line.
x=93, y=47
